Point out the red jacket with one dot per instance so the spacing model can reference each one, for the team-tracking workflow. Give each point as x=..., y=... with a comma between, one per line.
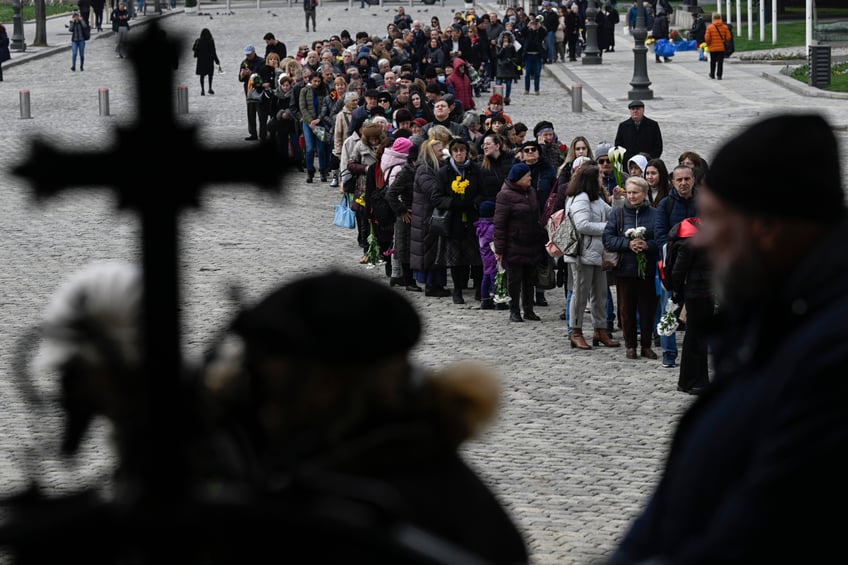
x=461, y=85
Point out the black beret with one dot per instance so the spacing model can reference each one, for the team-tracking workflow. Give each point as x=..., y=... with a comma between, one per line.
x=333, y=318
x=737, y=175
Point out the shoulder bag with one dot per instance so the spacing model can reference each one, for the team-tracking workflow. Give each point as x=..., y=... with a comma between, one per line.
x=440, y=222
x=566, y=237
x=729, y=46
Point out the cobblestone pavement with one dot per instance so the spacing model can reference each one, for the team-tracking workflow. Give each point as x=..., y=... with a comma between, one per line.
x=581, y=435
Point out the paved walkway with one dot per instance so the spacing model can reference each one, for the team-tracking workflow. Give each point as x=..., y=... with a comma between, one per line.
x=581, y=436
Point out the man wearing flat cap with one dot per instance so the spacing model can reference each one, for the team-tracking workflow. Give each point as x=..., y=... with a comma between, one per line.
x=639, y=134
x=756, y=469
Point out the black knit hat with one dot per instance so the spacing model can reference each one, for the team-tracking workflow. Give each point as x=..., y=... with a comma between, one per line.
x=739, y=174
x=311, y=318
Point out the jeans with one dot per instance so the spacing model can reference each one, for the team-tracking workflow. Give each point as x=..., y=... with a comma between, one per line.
x=507, y=87
x=668, y=343
x=550, y=41
x=312, y=145
x=532, y=67
x=78, y=47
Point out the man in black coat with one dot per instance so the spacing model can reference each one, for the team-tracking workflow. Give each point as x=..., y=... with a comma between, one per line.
x=755, y=473
x=639, y=134
x=273, y=45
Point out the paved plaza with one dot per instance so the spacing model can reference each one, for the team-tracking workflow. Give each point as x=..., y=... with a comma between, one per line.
x=581, y=435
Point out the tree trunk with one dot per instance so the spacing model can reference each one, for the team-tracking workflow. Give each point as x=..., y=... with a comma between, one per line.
x=40, y=24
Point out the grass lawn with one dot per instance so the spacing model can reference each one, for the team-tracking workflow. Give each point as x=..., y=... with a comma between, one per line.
x=838, y=77
x=28, y=14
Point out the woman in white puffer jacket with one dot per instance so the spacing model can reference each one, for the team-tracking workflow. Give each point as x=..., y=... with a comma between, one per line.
x=589, y=211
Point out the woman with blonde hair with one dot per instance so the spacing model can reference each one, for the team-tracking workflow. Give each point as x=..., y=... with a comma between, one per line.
x=425, y=256
x=579, y=147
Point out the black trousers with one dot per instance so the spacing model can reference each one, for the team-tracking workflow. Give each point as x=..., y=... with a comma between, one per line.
x=521, y=281
x=694, y=370
x=716, y=63
x=637, y=294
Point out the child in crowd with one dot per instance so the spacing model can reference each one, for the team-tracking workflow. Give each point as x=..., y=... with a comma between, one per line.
x=486, y=234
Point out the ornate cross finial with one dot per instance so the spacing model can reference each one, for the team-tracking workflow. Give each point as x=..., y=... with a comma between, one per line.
x=158, y=197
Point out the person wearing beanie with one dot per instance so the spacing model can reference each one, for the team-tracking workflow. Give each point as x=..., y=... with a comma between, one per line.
x=496, y=108
x=544, y=134
x=543, y=178
x=402, y=118
x=519, y=239
x=373, y=437
x=457, y=189
x=773, y=419
x=399, y=196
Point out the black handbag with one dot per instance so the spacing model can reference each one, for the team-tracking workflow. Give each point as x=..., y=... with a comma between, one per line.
x=546, y=275
x=440, y=222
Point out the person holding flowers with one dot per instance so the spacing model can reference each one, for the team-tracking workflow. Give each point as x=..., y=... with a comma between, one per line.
x=458, y=189
x=630, y=231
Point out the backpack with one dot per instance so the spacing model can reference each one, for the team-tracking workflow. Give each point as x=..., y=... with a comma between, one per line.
x=551, y=227
x=671, y=251
x=378, y=207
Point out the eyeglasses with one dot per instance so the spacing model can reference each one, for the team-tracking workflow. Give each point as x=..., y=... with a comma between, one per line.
x=529, y=150
x=602, y=160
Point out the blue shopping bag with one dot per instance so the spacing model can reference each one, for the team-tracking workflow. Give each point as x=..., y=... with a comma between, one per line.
x=345, y=217
x=664, y=48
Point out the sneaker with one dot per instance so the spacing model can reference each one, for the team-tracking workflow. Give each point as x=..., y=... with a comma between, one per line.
x=668, y=364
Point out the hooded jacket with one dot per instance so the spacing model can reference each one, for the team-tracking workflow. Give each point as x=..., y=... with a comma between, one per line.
x=461, y=84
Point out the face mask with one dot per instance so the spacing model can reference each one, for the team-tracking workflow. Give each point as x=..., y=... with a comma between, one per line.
x=441, y=79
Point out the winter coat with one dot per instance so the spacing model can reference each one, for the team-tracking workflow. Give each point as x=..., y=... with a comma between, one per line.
x=647, y=138
x=206, y=55
x=492, y=178
x=715, y=36
x=5, y=55
x=590, y=220
x=340, y=130
x=392, y=163
x=615, y=240
x=436, y=56
x=399, y=193
x=306, y=103
x=544, y=177
x=507, y=59
x=461, y=85
x=672, y=210
x=77, y=30
x=445, y=198
x=424, y=246
x=485, y=229
x=691, y=274
x=699, y=30
x=660, y=28
x=761, y=450
x=534, y=41
x=519, y=236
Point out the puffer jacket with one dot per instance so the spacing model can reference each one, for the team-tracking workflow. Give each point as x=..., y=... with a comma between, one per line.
x=519, y=236
x=423, y=247
x=717, y=33
x=590, y=220
x=444, y=198
x=615, y=240
x=392, y=163
x=461, y=84
x=672, y=210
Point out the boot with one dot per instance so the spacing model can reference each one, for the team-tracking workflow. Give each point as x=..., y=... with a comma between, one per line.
x=648, y=353
x=487, y=304
x=577, y=339
x=323, y=175
x=601, y=336
x=506, y=101
x=457, y=296
x=310, y=176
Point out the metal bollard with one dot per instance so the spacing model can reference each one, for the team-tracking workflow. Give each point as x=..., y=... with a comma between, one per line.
x=103, y=99
x=577, y=98
x=26, y=113
x=182, y=99
x=498, y=89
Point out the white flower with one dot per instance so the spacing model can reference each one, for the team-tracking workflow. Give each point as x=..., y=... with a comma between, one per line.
x=616, y=154
x=636, y=233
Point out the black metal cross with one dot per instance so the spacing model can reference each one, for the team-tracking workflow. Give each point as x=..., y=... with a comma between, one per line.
x=158, y=197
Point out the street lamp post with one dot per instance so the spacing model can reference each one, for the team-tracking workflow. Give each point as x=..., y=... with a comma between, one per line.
x=640, y=81
x=591, y=54
x=18, y=41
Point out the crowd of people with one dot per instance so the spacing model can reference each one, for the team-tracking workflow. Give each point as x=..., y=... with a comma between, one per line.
x=413, y=126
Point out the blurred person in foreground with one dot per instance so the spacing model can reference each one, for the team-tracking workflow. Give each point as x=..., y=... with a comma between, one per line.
x=755, y=469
